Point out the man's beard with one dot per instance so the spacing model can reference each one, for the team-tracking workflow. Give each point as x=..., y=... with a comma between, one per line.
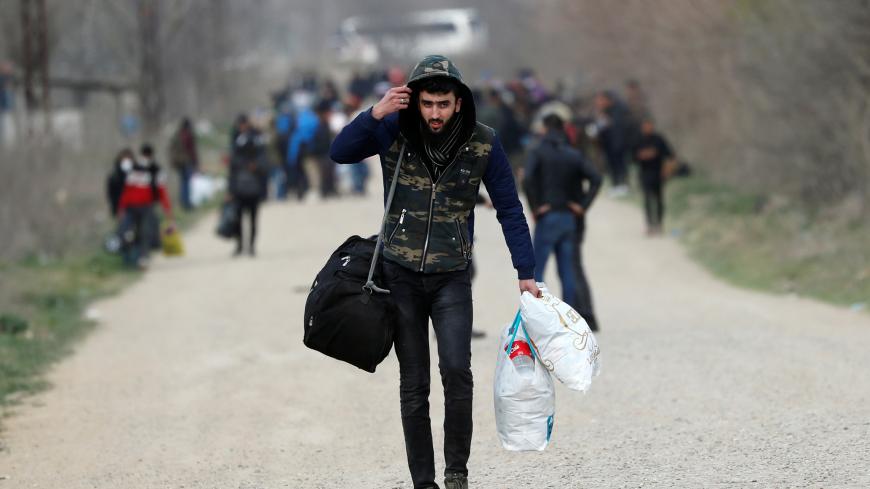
x=440, y=147
x=446, y=130
x=440, y=127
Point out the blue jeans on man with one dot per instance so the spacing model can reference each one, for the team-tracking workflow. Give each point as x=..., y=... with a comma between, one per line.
x=185, y=173
x=279, y=177
x=137, y=231
x=555, y=232
x=359, y=173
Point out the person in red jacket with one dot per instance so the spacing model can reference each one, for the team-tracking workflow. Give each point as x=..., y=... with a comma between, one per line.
x=145, y=184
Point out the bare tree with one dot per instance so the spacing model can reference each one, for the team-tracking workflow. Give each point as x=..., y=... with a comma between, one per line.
x=151, y=94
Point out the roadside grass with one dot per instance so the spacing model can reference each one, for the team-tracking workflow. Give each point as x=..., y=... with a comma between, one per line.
x=766, y=243
x=47, y=298
x=44, y=303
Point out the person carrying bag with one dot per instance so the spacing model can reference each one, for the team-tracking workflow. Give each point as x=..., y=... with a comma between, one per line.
x=431, y=126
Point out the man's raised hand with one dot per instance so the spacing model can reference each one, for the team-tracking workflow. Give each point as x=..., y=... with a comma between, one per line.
x=396, y=99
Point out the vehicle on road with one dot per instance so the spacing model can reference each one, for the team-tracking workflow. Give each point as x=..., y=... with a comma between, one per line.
x=370, y=39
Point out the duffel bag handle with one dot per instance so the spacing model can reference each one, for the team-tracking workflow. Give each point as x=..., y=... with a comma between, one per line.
x=370, y=284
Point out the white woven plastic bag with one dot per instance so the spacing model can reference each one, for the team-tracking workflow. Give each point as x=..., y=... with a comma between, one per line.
x=524, y=405
x=564, y=342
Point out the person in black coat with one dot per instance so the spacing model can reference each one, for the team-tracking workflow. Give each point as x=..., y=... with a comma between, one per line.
x=560, y=185
x=611, y=119
x=651, y=153
x=319, y=150
x=248, y=179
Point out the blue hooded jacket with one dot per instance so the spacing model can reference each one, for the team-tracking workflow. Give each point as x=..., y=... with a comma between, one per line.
x=305, y=129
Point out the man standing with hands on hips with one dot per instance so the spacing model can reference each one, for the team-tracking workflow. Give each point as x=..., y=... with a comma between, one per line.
x=427, y=244
x=560, y=185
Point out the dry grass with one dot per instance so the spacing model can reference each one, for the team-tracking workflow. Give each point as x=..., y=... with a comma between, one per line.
x=770, y=244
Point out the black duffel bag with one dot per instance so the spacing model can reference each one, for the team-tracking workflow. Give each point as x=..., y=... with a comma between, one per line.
x=347, y=316
x=344, y=319
x=229, y=220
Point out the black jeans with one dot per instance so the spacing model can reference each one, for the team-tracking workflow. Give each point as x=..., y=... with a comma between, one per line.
x=297, y=178
x=653, y=199
x=446, y=298
x=583, y=294
x=249, y=206
x=617, y=166
x=327, y=177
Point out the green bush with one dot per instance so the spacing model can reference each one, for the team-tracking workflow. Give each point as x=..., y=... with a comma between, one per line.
x=12, y=324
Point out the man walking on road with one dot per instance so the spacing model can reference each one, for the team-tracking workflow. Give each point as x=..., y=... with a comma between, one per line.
x=610, y=116
x=651, y=153
x=248, y=180
x=427, y=248
x=554, y=184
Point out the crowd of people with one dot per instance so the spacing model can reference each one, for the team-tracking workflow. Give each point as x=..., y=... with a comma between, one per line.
x=138, y=199
x=612, y=131
x=602, y=133
x=285, y=154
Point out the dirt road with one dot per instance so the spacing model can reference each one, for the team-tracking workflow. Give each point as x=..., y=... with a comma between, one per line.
x=197, y=378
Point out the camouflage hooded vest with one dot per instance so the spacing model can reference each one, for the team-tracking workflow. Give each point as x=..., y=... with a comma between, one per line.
x=427, y=225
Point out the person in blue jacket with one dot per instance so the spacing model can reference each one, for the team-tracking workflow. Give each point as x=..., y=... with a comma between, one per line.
x=430, y=129
x=285, y=120
x=304, y=130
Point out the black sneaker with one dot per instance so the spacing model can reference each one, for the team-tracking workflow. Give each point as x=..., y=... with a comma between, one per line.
x=477, y=334
x=455, y=481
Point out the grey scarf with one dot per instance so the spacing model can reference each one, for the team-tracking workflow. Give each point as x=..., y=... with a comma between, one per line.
x=441, y=148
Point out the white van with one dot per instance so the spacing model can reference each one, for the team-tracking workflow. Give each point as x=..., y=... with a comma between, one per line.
x=412, y=35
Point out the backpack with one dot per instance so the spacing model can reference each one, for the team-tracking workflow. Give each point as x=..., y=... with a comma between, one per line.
x=229, y=221
x=248, y=184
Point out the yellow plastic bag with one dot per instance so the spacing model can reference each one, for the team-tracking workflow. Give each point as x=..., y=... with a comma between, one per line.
x=172, y=244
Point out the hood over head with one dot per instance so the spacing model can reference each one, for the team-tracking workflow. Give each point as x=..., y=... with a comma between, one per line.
x=429, y=67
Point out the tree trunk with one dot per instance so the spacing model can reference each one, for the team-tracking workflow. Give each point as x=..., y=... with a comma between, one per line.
x=151, y=94
x=42, y=34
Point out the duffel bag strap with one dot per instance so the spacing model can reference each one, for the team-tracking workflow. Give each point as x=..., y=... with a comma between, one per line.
x=370, y=284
